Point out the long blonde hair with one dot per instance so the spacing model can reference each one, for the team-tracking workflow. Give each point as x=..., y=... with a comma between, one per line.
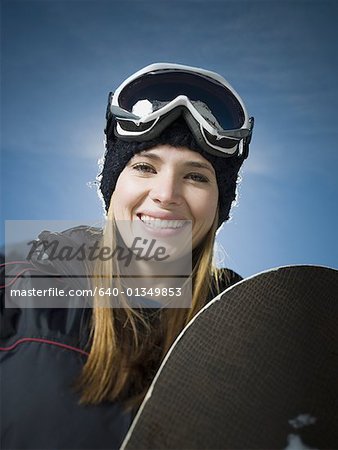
x=128, y=345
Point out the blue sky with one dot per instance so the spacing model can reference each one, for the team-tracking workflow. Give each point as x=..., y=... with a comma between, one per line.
x=61, y=58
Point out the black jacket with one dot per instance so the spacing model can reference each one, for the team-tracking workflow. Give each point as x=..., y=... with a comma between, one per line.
x=42, y=352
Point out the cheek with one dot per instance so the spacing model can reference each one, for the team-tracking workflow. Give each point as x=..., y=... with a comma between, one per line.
x=125, y=197
x=205, y=208
x=204, y=214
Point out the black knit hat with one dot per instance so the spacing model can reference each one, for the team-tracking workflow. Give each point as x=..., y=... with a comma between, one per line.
x=119, y=152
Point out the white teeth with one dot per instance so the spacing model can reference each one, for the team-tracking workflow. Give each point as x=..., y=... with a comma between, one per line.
x=158, y=223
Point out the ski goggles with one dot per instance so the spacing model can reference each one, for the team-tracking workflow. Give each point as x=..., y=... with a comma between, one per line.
x=151, y=99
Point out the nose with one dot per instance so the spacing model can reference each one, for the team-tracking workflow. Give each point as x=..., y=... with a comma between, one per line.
x=166, y=190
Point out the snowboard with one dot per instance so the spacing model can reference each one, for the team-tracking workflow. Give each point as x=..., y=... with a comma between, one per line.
x=256, y=368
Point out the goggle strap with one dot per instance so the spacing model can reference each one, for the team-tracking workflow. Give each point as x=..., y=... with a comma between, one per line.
x=108, y=110
x=247, y=140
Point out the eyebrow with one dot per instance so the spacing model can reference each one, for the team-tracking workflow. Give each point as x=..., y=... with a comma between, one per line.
x=196, y=164
x=199, y=165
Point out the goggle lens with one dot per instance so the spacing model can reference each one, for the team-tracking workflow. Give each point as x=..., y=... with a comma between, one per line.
x=164, y=86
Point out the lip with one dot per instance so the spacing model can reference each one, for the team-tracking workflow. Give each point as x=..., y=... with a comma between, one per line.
x=161, y=215
x=162, y=232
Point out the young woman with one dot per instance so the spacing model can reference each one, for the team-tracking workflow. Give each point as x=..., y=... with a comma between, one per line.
x=176, y=137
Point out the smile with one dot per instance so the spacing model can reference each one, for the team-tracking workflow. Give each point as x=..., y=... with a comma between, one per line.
x=156, y=223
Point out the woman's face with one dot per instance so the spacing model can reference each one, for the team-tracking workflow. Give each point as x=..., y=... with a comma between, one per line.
x=171, y=185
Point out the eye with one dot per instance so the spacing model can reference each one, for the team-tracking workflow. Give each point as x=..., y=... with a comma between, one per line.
x=143, y=168
x=198, y=177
